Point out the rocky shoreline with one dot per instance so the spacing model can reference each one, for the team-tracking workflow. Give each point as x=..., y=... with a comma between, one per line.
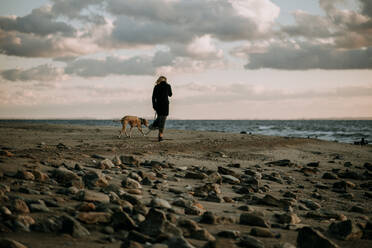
x=81, y=186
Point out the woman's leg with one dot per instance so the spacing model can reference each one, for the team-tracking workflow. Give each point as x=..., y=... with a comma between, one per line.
x=161, y=123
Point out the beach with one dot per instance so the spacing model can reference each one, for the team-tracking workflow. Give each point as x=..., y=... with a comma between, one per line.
x=82, y=186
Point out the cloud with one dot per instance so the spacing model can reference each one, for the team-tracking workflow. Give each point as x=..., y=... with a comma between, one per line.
x=111, y=66
x=39, y=22
x=305, y=56
x=39, y=73
x=159, y=21
x=28, y=45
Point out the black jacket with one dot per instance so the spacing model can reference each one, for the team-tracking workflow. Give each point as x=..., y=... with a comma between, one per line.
x=160, y=100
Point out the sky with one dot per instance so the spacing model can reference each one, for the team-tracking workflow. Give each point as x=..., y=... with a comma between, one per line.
x=225, y=59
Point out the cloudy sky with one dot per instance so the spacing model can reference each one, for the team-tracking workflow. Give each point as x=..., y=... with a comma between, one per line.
x=225, y=59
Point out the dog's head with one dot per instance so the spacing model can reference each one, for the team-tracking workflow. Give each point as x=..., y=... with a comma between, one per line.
x=144, y=122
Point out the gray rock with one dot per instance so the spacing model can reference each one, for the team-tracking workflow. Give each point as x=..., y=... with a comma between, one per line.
x=130, y=183
x=129, y=160
x=178, y=242
x=160, y=203
x=106, y=164
x=311, y=204
x=288, y=218
x=122, y=221
x=39, y=208
x=93, y=196
x=67, y=177
x=313, y=164
x=310, y=238
x=195, y=175
x=253, y=219
x=156, y=223
x=346, y=230
x=329, y=175
x=283, y=162
x=230, y=179
x=229, y=234
x=71, y=226
x=250, y=242
x=262, y=232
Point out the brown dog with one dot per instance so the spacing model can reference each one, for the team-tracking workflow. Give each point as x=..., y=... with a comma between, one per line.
x=133, y=121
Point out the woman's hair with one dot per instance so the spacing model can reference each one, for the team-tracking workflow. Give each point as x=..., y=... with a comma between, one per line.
x=161, y=79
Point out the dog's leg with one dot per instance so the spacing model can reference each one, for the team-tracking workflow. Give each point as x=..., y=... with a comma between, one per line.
x=140, y=129
x=130, y=131
x=121, y=131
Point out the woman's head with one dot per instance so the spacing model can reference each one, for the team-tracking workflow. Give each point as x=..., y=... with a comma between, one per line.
x=161, y=79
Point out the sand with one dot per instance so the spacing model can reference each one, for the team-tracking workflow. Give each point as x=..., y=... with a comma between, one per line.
x=30, y=147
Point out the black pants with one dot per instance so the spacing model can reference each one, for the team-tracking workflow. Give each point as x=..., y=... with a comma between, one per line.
x=159, y=123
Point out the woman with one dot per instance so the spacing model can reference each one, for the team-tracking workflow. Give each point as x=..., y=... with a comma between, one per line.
x=160, y=103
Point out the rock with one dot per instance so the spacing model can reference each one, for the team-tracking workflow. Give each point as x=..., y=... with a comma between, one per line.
x=230, y=179
x=156, y=223
x=94, y=217
x=24, y=221
x=262, y=232
x=253, y=219
x=310, y=238
x=313, y=164
x=342, y=186
x=211, y=218
x=229, y=234
x=106, y=164
x=20, y=206
x=129, y=160
x=71, y=226
x=250, y=242
x=195, y=175
x=329, y=175
x=346, y=230
x=311, y=204
x=130, y=183
x=288, y=218
x=40, y=176
x=273, y=201
x=214, y=177
x=37, y=207
x=178, y=242
x=116, y=160
x=202, y=234
x=67, y=178
x=220, y=243
x=86, y=207
x=283, y=162
x=349, y=175
x=95, y=178
x=25, y=175
x=122, y=220
x=139, y=237
x=213, y=197
x=226, y=171
x=10, y=243
x=93, y=196
x=203, y=191
x=160, y=203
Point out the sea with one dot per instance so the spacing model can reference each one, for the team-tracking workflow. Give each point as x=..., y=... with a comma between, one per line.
x=345, y=131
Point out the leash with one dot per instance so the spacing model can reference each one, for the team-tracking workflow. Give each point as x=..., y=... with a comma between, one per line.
x=155, y=116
